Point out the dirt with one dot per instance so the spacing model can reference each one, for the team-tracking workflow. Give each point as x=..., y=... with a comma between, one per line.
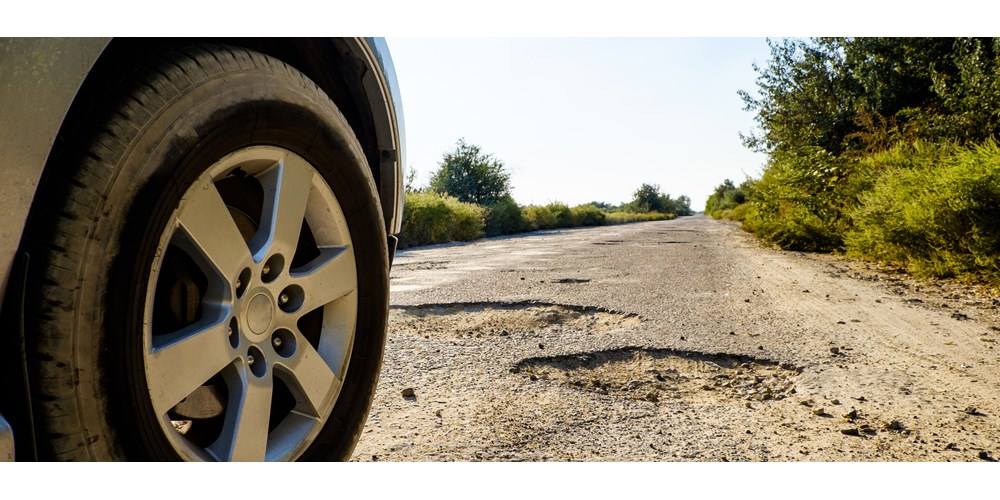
x=679, y=341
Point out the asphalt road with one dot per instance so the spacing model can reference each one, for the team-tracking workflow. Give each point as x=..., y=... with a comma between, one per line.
x=678, y=340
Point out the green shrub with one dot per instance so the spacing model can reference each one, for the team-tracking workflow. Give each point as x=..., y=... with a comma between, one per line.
x=562, y=214
x=504, y=217
x=938, y=213
x=430, y=217
x=538, y=217
x=588, y=215
x=801, y=201
x=738, y=213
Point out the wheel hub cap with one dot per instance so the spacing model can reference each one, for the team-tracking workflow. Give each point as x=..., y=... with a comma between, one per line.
x=260, y=312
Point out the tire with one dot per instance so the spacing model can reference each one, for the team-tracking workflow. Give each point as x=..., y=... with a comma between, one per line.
x=209, y=271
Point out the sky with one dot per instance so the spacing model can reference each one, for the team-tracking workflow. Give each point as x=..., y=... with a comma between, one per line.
x=577, y=120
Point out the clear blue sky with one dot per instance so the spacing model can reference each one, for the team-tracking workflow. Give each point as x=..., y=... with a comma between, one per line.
x=584, y=119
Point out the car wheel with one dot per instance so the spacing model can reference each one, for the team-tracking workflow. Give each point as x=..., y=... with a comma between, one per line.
x=208, y=274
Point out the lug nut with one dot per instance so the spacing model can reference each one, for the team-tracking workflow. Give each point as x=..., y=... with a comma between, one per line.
x=266, y=269
x=283, y=299
x=239, y=284
x=276, y=341
x=250, y=360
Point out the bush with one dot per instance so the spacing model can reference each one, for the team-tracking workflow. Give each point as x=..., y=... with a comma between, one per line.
x=431, y=217
x=562, y=214
x=537, y=217
x=937, y=213
x=504, y=217
x=588, y=215
x=801, y=201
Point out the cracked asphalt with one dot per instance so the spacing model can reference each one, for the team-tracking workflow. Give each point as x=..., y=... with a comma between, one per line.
x=679, y=340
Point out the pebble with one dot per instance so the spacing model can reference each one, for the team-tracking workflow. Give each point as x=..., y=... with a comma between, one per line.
x=985, y=455
x=835, y=350
x=409, y=392
x=850, y=432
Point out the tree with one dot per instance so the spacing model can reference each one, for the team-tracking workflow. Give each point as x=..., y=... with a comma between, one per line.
x=682, y=206
x=411, y=179
x=648, y=198
x=726, y=196
x=471, y=176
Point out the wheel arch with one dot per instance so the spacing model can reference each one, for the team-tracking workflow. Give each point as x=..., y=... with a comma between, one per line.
x=356, y=73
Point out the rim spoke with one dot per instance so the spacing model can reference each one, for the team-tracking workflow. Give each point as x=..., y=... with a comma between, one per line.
x=286, y=193
x=244, y=435
x=213, y=234
x=186, y=360
x=327, y=278
x=312, y=379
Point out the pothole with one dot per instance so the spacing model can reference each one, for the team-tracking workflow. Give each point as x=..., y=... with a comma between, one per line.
x=571, y=280
x=479, y=319
x=609, y=242
x=665, y=374
x=421, y=266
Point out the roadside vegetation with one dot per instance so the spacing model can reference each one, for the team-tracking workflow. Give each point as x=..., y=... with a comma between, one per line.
x=881, y=148
x=468, y=197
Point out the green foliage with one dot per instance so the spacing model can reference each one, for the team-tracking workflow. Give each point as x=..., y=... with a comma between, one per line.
x=851, y=94
x=629, y=217
x=937, y=212
x=588, y=215
x=648, y=198
x=800, y=202
x=726, y=197
x=884, y=147
x=682, y=206
x=431, y=217
x=504, y=217
x=562, y=213
x=471, y=176
x=440, y=212
x=538, y=217
x=807, y=97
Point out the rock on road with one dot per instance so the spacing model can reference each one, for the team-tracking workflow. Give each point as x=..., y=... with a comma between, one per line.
x=676, y=340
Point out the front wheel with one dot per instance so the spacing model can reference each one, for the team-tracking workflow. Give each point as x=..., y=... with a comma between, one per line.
x=209, y=274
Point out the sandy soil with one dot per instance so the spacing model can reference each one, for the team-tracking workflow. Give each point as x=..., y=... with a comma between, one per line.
x=679, y=340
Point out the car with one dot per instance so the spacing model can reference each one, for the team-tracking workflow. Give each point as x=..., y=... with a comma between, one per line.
x=196, y=243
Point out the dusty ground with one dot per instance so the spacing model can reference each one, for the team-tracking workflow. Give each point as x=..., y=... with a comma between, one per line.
x=679, y=340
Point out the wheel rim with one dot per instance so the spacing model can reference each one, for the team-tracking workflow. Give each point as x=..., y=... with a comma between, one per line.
x=250, y=310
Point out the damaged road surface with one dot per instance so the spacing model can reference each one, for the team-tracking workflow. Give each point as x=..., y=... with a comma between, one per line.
x=678, y=340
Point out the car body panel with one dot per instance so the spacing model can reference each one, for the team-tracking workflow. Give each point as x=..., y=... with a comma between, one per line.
x=40, y=79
